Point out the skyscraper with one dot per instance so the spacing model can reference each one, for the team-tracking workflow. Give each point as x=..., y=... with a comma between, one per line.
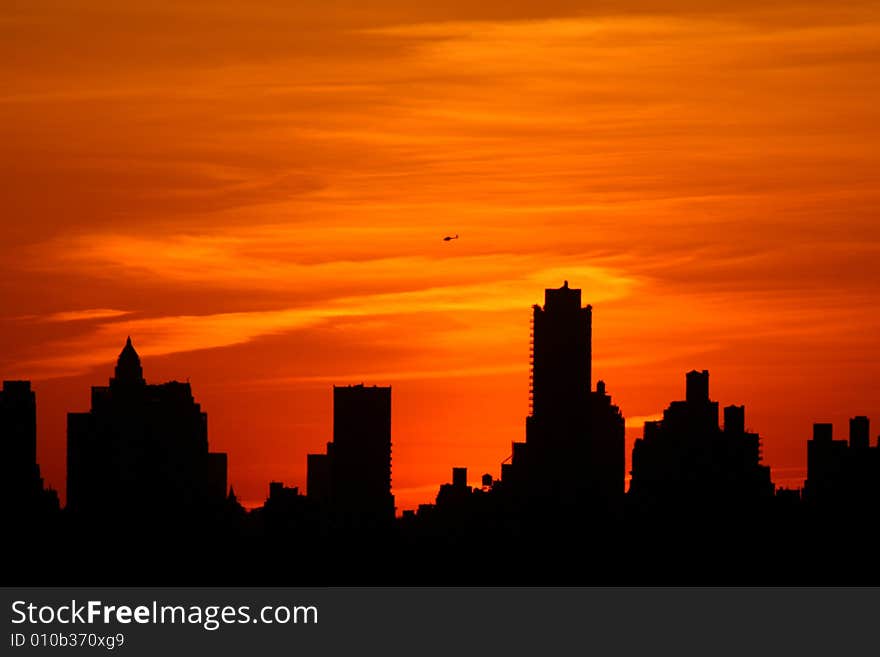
x=18, y=432
x=843, y=477
x=687, y=460
x=574, y=449
x=354, y=477
x=142, y=449
x=561, y=354
x=21, y=487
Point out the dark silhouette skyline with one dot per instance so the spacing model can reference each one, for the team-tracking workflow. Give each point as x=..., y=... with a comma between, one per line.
x=687, y=459
x=843, y=475
x=22, y=494
x=574, y=451
x=352, y=480
x=140, y=471
x=142, y=449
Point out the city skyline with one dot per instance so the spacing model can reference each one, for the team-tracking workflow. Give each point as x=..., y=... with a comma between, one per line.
x=140, y=465
x=634, y=435
x=560, y=378
x=141, y=468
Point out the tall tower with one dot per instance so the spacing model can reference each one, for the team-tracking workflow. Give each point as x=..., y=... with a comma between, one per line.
x=360, y=463
x=21, y=487
x=18, y=431
x=141, y=451
x=574, y=449
x=562, y=351
x=19, y=474
x=128, y=367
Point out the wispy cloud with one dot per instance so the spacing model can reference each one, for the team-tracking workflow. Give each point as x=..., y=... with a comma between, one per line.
x=88, y=314
x=389, y=377
x=165, y=335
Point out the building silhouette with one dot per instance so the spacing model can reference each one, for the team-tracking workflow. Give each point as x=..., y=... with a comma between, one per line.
x=22, y=494
x=574, y=451
x=701, y=508
x=687, y=460
x=318, y=476
x=843, y=476
x=457, y=492
x=142, y=450
x=287, y=515
x=353, y=478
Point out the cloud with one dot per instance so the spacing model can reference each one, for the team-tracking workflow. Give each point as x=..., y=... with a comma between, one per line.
x=88, y=314
x=163, y=335
x=391, y=376
x=638, y=422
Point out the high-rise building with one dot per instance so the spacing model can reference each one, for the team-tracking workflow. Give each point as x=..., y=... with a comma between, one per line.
x=843, y=476
x=22, y=487
x=142, y=449
x=859, y=432
x=354, y=477
x=687, y=459
x=561, y=354
x=574, y=448
x=826, y=466
x=18, y=432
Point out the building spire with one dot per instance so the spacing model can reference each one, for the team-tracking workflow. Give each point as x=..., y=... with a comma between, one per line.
x=128, y=367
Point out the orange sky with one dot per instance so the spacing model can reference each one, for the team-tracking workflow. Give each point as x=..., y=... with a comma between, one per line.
x=256, y=192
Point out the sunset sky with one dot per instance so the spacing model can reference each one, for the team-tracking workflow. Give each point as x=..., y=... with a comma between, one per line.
x=256, y=192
